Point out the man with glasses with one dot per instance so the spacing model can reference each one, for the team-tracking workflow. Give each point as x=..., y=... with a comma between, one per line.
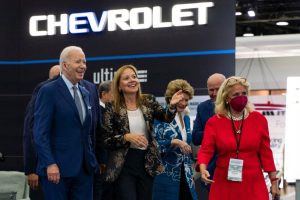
x=205, y=110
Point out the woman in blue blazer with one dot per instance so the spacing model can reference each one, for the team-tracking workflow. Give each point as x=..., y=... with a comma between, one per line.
x=174, y=139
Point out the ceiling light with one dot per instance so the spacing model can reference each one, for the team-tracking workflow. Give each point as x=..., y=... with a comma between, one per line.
x=282, y=23
x=238, y=13
x=251, y=13
x=248, y=34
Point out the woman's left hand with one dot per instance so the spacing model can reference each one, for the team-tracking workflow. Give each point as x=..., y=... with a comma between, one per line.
x=275, y=190
x=178, y=96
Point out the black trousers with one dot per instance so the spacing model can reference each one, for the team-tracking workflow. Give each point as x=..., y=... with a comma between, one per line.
x=134, y=183
x=102, y=190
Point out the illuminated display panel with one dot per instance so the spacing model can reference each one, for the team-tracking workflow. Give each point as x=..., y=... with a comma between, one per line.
x=163, y=48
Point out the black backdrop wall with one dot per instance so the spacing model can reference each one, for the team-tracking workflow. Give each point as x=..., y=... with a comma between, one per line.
x=161, y=54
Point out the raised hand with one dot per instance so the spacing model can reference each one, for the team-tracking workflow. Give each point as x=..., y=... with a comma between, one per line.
x=178, y=96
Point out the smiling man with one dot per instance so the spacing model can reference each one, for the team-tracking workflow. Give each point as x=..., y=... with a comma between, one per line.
x=63, y=132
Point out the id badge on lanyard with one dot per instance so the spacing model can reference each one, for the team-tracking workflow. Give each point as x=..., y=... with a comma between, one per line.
x=235, y=170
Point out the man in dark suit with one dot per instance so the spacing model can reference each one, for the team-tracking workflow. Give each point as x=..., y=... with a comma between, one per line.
x=205, y=110
x=64, y=132
x=30, y=156
x=102, y=190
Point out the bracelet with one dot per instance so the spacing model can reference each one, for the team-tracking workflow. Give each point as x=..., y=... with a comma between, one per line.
x=273, y=179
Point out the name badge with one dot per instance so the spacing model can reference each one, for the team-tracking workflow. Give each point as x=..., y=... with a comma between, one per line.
x=235, y=169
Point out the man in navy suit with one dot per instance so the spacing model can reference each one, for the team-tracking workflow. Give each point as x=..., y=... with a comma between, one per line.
x=64, y=128
x=205, y=110
x=30, y=156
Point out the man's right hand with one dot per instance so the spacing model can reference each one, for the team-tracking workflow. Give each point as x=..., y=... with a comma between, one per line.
x=33, y=181
x=53, y=173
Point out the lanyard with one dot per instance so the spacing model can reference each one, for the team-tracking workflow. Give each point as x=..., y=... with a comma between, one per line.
x=235, y=132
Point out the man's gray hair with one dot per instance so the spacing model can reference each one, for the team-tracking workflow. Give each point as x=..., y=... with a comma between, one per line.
x=64, y=55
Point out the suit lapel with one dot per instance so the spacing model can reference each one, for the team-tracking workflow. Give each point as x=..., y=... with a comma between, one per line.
x=65, y=93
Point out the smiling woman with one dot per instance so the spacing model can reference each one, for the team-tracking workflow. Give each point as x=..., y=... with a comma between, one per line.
x=174, y=139
x=133, y=156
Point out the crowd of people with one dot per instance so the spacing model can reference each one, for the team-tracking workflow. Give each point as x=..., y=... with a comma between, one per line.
x=115, y=142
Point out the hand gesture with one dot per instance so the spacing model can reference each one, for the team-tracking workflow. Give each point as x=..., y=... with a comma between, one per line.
x=274, y=190
x=204, y=174
x=184, y=147
x=178, y=96
x=137, y=139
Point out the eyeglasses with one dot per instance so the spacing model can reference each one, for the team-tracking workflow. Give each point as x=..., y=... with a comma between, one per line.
x=232, y=81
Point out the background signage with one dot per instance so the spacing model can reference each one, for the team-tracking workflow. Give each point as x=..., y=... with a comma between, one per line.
x=163, y=48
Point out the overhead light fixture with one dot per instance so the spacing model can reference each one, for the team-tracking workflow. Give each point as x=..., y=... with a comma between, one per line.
x=251, y=13
x=248, y=34
x=282, y=23
x=238, y=13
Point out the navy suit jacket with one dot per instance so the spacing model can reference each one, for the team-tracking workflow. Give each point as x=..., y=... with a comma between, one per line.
x=30, y=155
x=205, y=110
x=60, y=137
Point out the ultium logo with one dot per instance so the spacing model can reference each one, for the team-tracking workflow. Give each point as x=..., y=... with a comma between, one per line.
x=122, y=19
x=107, y=74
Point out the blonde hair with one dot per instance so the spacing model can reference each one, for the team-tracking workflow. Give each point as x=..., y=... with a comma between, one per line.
x=221, y=106
x=176, y=85
x=117, y=93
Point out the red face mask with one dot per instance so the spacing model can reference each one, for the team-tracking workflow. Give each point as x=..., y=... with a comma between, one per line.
x=238, y=103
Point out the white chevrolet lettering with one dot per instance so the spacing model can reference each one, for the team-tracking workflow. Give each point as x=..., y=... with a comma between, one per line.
x=53, y=24
x=120, y=19
x=77, y=19
x=157, y=18
x=34, y=25
x=146, y=15
x=97, y=27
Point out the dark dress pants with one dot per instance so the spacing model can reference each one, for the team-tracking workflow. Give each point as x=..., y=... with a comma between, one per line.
x=134, y=183
x=71, y=188
x=102, y=189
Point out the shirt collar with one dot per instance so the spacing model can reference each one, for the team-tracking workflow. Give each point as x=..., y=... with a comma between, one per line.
x=102, y=104
x=68, y=83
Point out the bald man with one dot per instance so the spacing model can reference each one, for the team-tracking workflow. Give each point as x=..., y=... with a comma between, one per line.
x=205, y=110
x=30, y=156
x=54, y=71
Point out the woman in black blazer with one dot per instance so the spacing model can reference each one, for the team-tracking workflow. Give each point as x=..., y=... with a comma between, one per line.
x=133, y=157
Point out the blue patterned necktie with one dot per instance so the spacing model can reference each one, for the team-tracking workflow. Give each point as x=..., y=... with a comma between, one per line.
x=77, y=102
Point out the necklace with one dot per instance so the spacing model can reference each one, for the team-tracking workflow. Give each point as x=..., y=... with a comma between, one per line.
x=237, y=130
x=230, y=116
x=235, y=121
